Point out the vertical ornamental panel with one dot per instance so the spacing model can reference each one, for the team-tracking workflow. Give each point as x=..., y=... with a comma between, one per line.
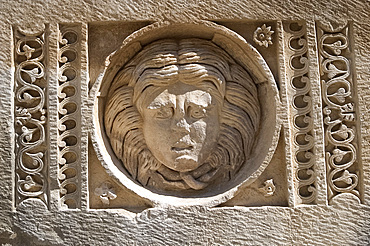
x=339, y=110
x=69, y=115
x=31, y=170
x=299, y=95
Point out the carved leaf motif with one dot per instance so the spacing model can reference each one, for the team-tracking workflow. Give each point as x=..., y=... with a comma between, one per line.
x=342, y=132
x=22, y=112
x=340, y=95
x=28, y=51
x=29, y=98
x=34, y=74
x=333, y=71
x=337, y=47
x=29, y=183
x=346, y=177
x=27, y=133
x=339, y=154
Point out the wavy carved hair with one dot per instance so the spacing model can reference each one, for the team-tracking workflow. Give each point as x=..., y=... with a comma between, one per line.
x=197, y=62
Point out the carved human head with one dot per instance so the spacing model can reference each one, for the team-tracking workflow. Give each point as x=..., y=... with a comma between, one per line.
x=182, y=114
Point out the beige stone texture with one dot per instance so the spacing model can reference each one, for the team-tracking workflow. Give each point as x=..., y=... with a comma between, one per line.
x=305, y=182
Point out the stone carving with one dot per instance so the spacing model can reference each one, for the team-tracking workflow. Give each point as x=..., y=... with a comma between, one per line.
x=106, y=192
x=30, y=116
x=182, y=114
x=69, y=115
x=268, y=188
x=341, y=136
x=262, y=36
x=299, y=93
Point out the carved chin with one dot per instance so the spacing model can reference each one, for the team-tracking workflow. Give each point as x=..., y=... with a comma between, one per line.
x=185, y=163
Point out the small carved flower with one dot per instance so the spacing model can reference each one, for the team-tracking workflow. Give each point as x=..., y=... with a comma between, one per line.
x=106, y=192
x=268, y=189
x=28, y=51
x=262, y=35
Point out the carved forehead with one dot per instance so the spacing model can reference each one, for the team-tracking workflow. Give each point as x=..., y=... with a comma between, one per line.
x=197, y=62
x=182, y=93
x=167, y=52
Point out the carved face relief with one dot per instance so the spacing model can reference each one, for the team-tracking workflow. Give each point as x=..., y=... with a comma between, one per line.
x=182, y=115
x=181, y=126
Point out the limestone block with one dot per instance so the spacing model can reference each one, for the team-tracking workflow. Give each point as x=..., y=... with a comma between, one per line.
x=184, y=122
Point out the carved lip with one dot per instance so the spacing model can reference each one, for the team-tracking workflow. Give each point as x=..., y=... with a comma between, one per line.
x=182, y=149
x=182, y=146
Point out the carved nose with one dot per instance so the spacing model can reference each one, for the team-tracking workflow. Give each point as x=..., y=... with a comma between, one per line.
x=180, y=125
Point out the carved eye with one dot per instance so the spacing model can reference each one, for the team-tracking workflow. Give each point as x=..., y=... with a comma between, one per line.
x=164, y=113
x=197, y=113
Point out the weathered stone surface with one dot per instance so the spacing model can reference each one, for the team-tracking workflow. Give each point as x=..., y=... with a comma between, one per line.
x=62, y=191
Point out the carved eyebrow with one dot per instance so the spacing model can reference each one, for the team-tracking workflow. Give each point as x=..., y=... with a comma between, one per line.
x=199, y=103
x=158, y=105
x=190, y=103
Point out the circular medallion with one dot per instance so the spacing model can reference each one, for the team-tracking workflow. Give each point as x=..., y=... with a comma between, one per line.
x=185, y=114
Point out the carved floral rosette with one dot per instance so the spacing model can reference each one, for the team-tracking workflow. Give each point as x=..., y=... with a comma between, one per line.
x=69, y=115
x=265, y=141
x=30, y=115
x=339, y=110
x=299, y=93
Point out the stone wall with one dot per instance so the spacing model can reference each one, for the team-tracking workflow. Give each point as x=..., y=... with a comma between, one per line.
x=276, y=151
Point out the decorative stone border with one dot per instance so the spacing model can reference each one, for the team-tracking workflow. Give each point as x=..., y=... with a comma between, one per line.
x=340, y=111
x=69, y=114
x=31, y=82
x=299, y=94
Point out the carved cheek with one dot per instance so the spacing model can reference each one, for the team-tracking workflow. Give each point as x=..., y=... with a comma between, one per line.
x=156, y=131
x=212, y=129
x=198, y=131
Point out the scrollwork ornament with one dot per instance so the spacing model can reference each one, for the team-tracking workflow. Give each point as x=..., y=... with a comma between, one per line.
x=339, y=111
x=69, y=115
x=30, y=116
x=301, y=107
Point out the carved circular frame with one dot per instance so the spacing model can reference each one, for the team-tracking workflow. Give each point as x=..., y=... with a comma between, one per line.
x=246, y=55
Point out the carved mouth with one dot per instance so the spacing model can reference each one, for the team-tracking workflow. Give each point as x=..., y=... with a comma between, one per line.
x=179, y=149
